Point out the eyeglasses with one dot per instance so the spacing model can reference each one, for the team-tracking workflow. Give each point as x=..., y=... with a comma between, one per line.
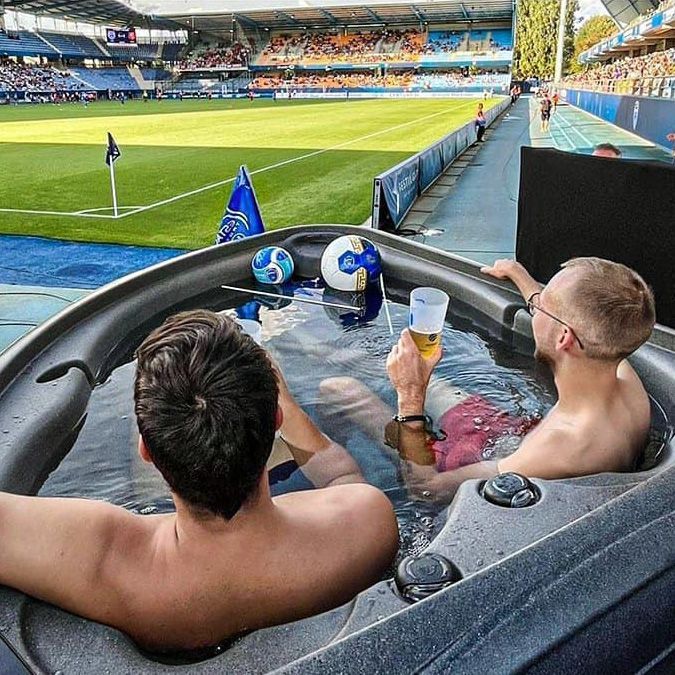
x=532, y=306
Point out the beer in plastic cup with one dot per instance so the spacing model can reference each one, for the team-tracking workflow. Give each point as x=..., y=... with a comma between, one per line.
x=427, y=318
x=252, y=328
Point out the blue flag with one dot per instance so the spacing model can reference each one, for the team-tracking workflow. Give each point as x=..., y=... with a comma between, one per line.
x=112, y=151
x=242, y=217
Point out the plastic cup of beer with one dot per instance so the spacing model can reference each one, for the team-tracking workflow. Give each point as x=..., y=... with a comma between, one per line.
x=252, y=328
x=427, y=318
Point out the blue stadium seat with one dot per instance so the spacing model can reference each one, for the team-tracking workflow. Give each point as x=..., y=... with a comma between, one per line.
x=107, y=78
x=74, y=45
x=23, y=43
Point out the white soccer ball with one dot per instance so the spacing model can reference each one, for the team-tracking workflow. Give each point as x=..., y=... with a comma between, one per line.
x=350, y=263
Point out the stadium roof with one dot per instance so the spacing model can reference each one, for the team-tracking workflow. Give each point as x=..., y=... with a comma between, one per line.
x=300, y=14
x=624, y=11
x=90, y=11
x=270, y=14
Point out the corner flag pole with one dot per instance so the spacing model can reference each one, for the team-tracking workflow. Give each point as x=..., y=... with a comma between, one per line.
x=114, y=191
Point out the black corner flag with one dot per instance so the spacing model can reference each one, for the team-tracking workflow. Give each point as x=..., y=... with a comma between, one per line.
x=112, y=152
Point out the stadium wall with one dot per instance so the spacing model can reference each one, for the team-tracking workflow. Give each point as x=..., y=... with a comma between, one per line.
x=396, y=190
x=650, y=118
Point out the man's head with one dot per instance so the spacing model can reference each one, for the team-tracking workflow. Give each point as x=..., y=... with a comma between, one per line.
x=593, y=308
x=206, y=404
x=607, y=150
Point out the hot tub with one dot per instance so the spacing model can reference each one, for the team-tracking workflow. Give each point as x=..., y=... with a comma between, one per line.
x=583, y=580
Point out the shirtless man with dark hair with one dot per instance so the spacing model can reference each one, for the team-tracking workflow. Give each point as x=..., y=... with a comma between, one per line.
x=231, y=558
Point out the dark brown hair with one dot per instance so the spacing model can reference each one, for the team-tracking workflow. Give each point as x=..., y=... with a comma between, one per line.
x=206, y=400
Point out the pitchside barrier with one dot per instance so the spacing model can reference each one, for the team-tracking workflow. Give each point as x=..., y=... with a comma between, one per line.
x=396, y=190
x=650, y=118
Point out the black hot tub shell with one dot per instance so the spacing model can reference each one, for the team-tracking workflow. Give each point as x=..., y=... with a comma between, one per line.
x=583, y=581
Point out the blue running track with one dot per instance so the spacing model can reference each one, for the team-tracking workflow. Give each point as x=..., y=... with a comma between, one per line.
x=36, y=261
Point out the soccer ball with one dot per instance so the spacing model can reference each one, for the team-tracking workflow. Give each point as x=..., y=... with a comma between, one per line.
x=350, y=263
x=272, y=265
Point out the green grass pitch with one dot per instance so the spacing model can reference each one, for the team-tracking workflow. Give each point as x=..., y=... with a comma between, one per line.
x=52, y=159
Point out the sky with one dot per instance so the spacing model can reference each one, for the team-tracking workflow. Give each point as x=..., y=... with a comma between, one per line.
x=591, y=8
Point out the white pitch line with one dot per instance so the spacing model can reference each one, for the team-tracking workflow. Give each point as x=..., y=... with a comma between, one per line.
x=105, y=208
x=89, y=213
x=291, y=161
x=57, y=213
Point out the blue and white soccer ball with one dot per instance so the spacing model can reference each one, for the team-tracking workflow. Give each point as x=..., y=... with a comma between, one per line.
x=272, y=265
x=350, y=263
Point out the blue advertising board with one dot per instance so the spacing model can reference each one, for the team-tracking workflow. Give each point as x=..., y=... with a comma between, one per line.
x=396, y=190
x=650, y=118
x=431, y=166
x=400, y=188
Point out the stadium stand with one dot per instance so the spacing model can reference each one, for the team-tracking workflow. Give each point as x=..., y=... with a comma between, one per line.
x=156, y=74
x=379, y=46
x=638, y=61
x=656, y=64
x=219, y=57
x=74, y=46
x=443, y=42
x=103, y=79
x=368, y=80
x=363, y=47
x=139, y=52
x=19, y=77
x=171, y=51
x=24, y=43
x=648, y=75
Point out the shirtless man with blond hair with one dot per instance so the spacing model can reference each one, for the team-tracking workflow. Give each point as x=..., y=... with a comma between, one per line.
x=586, y=321
x=231, y=559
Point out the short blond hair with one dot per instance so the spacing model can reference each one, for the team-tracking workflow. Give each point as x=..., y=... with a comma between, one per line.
x=611, y=306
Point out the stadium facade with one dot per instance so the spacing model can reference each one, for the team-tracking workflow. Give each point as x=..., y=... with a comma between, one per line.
x=231, y=49
x=630, y=80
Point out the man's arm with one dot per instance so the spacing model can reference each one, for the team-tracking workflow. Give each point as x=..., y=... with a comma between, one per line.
x=516, y=273
x=426, y=482
x=56, y=550
x=323, y=461
x=409, y=373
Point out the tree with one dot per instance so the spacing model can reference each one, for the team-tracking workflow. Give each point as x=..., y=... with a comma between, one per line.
x=593, y=30
x=537, y=37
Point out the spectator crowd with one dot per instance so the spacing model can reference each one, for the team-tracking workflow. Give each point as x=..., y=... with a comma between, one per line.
x=364, y=47
x=16, y=76
x=404, y=80
x=656, y=64
x=236, y=54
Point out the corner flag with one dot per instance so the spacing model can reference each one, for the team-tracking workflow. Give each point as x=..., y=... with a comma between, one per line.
x=112, y=152
x=242, y=216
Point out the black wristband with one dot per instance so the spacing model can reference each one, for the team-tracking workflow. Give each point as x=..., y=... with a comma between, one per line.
x=402, y=419
x=439, y=435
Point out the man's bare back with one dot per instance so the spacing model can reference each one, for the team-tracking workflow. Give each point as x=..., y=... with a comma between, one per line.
x=177, y=585
x=226, y=562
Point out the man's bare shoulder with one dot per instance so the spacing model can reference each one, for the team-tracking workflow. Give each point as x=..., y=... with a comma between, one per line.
x=354, y=523
x=58, y=549
x=339, y=502
x=549, y=452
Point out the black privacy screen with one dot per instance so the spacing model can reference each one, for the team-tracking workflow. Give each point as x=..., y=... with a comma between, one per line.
x=577, y=205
